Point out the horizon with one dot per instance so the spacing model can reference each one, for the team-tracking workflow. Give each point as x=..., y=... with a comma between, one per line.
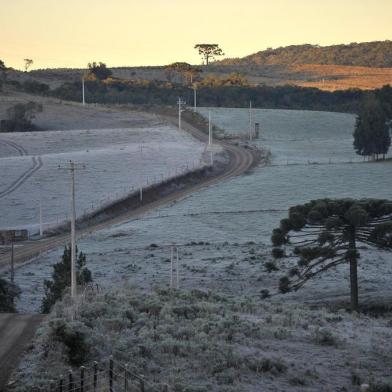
x=71, y=35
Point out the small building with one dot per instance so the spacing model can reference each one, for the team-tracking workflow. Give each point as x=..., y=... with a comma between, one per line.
x=9, y=236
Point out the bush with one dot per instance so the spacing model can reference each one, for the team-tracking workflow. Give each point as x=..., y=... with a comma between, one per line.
x=324, y=337
x=270, y=266
x=278, y=253
x=19, y=117
x=380, y=388
x=73, y=339
x=8, y=293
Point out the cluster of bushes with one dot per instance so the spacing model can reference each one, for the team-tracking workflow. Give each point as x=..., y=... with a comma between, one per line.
x=19, y=117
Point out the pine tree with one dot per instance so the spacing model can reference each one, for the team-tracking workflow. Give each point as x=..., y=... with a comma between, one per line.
x=61, y=278
x=372, y=135
x=325, y=233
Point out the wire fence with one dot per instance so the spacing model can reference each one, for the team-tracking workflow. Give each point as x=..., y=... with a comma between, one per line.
x=107, y=376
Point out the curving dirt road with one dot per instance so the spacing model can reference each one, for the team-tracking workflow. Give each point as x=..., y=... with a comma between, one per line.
x=16, y=331
x=241, y=160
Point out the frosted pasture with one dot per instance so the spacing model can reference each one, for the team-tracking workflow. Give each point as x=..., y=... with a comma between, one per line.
x=224, y=230
x=117, y=162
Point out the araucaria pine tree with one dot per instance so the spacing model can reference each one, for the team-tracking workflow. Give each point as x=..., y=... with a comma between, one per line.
x=61, y=278
x=325, y=233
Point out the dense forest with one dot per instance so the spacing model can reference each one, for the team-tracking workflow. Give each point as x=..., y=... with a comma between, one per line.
x=367, y=54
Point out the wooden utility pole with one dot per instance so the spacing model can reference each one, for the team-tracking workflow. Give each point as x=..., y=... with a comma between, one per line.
x=12, y=263
x=71, y=168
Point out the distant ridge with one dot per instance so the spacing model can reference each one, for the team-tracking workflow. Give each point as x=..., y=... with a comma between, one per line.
x=366, y=54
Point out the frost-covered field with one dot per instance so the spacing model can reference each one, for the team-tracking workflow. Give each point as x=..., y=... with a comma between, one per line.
x=224, y=231
x=117, y=162
x=205, y=342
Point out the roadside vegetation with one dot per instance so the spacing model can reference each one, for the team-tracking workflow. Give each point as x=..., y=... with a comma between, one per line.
x=61, y=278
x=9, y=292
x=202, y=341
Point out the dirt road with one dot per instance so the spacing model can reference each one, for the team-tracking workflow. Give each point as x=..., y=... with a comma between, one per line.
x=16, y=331
x=241, y=160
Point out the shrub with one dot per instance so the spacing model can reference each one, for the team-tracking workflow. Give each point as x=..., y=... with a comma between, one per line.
x=19, y=117
x=270, y=266
x=8, y=293
x=278, y=253
x=324, y=337
x=73, y=339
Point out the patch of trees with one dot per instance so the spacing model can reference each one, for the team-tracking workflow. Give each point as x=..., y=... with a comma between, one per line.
x=324, y=234
x=19, y=117
x=61, y=278
x=8, y=293
x=98, y=71
x=182, y=72
x=372, y=130
x=368, y=54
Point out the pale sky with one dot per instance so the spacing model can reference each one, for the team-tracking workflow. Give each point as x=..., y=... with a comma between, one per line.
x=71, y=33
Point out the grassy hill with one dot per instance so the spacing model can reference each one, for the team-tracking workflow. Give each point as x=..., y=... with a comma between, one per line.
x=364, y=66
x=365, y=54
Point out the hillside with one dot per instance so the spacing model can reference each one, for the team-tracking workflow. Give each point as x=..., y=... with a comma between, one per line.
x=365, y=54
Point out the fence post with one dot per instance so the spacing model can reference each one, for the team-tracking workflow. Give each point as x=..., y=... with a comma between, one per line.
x=126, y=378
x=61, y=382
x=82, y=379
x=70, y=381
x=111, y=374
x=95, y=376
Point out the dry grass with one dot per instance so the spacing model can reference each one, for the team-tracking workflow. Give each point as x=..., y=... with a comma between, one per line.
x=333, y=77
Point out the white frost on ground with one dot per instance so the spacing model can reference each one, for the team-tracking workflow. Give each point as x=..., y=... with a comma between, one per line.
x=116, y=162
x=228, y=216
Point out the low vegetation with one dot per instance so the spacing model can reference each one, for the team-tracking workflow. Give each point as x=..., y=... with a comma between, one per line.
x=61, y=278
x=201, y=341
x=8, y=294
x=19, y=117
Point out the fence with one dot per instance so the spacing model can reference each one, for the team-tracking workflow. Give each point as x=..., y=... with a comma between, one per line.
x=109, y=376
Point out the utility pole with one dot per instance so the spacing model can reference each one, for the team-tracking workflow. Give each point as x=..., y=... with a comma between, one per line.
x=41, y=227
x=194, y=98
x=250, y=121
x=171, y=266
x=180, y=104
x=83, y=100
x=209, y=129
x=72, y=167
x=12, y=263
x=177, y=272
